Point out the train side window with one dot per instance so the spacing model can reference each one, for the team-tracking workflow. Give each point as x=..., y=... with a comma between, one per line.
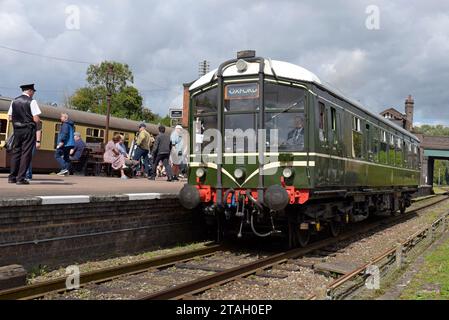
x=334, y=119
x=356, y=138
x=383, y=152
x=391, y=150
x=375, y=144
x=3, y=125
x=399, y=152
x=409, y=156
x=94, y=135
x=322, y=121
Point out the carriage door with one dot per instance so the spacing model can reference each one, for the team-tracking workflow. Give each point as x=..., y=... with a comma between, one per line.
x=334, y=147
x=323, y=143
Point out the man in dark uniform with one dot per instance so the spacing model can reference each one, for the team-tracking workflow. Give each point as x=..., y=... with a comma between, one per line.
x=24, y=114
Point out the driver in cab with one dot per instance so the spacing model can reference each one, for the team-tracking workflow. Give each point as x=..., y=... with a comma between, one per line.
x=295, y=137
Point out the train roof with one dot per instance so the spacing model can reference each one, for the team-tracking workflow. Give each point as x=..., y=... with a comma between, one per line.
x=294, y=72
x=280, y=68
x=86, y=118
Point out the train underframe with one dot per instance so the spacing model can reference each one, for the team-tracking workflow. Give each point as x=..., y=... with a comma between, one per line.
x=325, y=210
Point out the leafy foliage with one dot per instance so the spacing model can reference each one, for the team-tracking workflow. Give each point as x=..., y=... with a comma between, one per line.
x=438, y=130
x=115, y=78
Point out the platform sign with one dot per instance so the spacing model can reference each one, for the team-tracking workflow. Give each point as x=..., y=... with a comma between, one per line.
x=175, y=113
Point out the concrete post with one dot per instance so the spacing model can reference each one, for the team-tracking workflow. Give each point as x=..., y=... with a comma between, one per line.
x=399, y=256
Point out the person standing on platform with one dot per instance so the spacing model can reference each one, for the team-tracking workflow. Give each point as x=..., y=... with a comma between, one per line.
x=177, y=150
x=24, y=114
x=37, y=146
x=65, y=143
x=143, y=142
x=161, y=152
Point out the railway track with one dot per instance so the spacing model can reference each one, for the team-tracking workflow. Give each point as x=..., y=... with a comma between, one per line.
x=39, y=290
x=190, y=289
x=202, y=283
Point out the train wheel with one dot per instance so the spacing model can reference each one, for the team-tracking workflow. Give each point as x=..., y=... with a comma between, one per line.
x=335, y=228
x=303, y=237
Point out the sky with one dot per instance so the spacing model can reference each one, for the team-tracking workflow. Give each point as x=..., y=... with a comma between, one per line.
x=375, y=52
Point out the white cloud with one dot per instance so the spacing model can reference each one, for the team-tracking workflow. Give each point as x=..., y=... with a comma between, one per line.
x=163, y=41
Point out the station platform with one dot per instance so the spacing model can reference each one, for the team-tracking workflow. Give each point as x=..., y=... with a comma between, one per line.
x=53, y=185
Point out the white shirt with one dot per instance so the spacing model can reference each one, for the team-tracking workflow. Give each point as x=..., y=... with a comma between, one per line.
x=35, y=110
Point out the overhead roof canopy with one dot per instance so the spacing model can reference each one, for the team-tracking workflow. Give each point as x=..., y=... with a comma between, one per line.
x=436, y=153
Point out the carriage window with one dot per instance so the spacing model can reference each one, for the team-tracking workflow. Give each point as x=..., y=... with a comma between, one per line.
x=322, y=122
x=375, y=146
x=356, y=138
x=205, y=102
x=399, y=153
x=333, y=119
x=94, y=135
x=3, y=123
x=391, y=150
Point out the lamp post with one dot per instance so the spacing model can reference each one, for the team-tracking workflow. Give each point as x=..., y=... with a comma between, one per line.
x=110, y=74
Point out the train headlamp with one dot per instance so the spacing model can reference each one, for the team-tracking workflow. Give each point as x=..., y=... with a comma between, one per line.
x=288, y=173
x=241, y=65
x=239, y=173
x=200, y=173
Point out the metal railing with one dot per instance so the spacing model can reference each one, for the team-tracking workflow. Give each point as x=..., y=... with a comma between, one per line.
x=370, y=275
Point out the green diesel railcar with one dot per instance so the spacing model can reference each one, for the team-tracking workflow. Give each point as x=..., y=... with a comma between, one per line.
x=275, y=152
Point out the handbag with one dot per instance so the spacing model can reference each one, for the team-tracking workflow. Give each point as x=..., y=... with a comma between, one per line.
x=10, y=143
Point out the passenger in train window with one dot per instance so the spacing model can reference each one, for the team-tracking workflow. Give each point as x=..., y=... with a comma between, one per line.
x=65, y=143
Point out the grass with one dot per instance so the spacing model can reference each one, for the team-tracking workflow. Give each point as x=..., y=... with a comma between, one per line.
x=432, y=281
x=440, y=190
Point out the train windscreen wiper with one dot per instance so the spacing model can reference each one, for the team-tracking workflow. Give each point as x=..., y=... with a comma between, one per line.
x=285, y=110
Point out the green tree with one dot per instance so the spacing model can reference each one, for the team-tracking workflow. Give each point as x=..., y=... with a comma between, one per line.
x=110, y=75
x=113, y=77
x=438, y=130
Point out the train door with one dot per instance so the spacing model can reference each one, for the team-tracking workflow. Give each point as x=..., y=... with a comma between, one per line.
x=323, y=145
x=334, y=146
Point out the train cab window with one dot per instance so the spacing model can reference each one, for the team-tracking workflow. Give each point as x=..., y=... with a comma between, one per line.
x=322, y=122
x=3, y=125
x=241, y=97
x=240, y=135
x=205, y=102
x=284, y=115
x=204, y=133
x=356, y=138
